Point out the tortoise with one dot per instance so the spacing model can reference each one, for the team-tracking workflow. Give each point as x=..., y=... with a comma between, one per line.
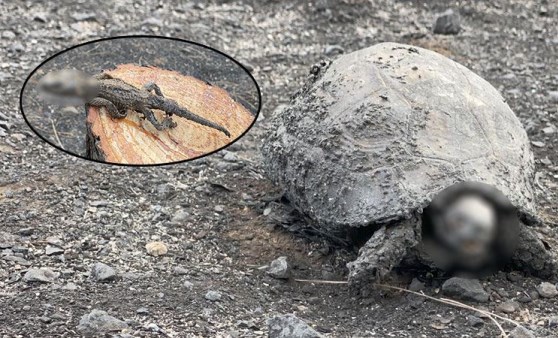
x=410, y=155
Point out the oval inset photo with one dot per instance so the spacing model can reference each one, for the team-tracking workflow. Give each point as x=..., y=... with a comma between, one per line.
x=140, y=100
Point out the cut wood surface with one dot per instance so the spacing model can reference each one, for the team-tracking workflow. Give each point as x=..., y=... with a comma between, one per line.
x=133, y=140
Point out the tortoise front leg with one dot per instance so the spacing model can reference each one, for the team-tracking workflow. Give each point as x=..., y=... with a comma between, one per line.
x=387, y=247
x=109, y=106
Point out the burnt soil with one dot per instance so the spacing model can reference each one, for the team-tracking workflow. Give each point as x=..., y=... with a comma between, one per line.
x=217, y=214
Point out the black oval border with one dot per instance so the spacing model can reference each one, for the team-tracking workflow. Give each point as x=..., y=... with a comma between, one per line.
x=259, y=108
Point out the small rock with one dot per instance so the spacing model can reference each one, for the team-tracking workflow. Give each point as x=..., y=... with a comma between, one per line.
x=180, y=216
x=508, y=307
x=553, y=96
x=416, y=285
x=178, y=270
x=230, y=157
x=465, y=289
x=548, y=130
x=51, y=250
x=279, y=268
x=156, y=248
x=553, y=322
x=40, y=17
x=475, y=321
x=188, y=285
x=521, y=332
x=53, y=240
x=83, y=16
x=7, y=240
x=98, y=322
x=153, y=22
x=142, y=311
x=70, y=287
x=448, y=22
x=213, y=295
x=8, y=35
x=547, y=290
x=26, y=231
x=42, y=275
x=538, y=144
x=100, y=272
x=218, y=208
x=333, y=50
x=290, y=326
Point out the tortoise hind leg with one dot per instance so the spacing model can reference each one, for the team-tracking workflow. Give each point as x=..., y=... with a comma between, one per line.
x=535, y=255
x=387, y=247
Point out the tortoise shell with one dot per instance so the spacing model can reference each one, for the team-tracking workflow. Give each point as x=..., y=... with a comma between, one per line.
x=377, y=133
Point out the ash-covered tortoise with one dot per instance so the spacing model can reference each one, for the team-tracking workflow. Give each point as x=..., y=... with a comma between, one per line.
x=414, y=155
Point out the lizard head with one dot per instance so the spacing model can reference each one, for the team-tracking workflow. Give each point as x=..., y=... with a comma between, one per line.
x=69, y=83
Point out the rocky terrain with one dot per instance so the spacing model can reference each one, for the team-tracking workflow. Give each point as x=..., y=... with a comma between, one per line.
x=189, y=250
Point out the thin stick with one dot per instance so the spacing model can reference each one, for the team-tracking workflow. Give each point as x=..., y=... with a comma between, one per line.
x=56, y=134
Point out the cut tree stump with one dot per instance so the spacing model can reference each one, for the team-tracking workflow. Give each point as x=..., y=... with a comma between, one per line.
x=132, y=140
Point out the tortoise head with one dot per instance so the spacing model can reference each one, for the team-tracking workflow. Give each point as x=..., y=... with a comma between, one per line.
x=68, y=83
x=468, y=225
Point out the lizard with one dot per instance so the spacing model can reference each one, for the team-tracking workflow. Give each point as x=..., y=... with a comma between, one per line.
x=119, y=97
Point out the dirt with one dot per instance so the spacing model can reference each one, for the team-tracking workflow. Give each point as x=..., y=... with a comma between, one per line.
x=225, y=234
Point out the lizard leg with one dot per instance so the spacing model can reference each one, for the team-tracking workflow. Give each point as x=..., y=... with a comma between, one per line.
x=150, y=116
x=152, y=86
x=109, y=106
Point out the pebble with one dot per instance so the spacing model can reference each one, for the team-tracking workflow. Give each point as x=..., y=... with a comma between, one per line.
x=547, y=290
x=538, y=144
x=465, y=289
x=416, y=285
x=290, y=326
x=180, y=216
x=279, y=268
x=553, y=322
x=142, y=311
x=475, y=321
x=51, y=250
x=100, y=272
x=26, y=231
x=553, y=95
x=70, y=286
x=42, y=275
x=447, y=23
x=156, y=248
x=331, y=50
x=98, y=322
x=178, y=270
x=548, y=130
x=8, y=35
x=521, y=332
x=508, y=307
x=188, y=285
x=83, y=16
x=213, y=295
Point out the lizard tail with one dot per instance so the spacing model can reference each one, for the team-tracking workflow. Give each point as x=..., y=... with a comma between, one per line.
x=176, y=110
